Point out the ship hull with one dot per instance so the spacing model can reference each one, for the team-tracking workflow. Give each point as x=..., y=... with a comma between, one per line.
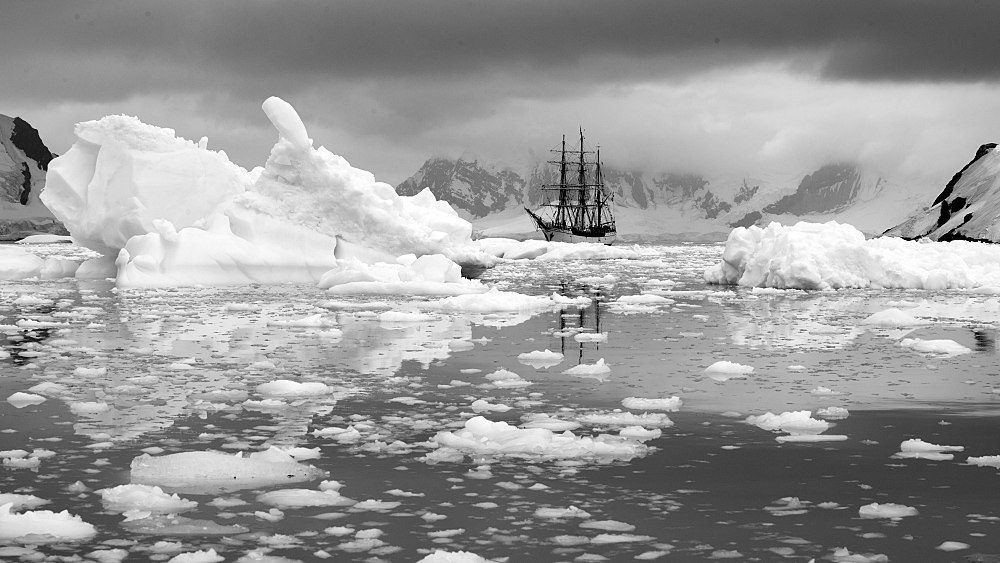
x=555, y=235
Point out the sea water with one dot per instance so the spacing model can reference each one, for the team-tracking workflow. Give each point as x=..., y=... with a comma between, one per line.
x=185, y=370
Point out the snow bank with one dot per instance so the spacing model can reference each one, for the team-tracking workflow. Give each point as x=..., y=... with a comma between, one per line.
x=167, y=211
x=833, y=256
x=218, y=471
x=482, y=437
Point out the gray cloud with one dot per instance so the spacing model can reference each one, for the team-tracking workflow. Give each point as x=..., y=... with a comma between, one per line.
x=416, y=77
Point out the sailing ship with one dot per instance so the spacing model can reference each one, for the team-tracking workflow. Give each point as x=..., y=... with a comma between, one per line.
x=579, y=207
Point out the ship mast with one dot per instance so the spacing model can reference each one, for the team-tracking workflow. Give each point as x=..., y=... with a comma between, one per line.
x=581, y=212
x=561, y=210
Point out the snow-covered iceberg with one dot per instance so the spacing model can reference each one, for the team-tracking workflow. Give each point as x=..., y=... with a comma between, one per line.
x=166, y=211
x=834, y=256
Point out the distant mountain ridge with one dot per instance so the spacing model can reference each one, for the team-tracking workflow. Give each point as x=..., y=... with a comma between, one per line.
x=24, y=161
x=679, y=202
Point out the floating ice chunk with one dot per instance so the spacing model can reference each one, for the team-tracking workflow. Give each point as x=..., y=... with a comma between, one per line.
x=506, y=379
x=669, y=404
x=833, y=413
x=403, y=317
x=540, y=358
x=730, y=369
x=42, y=526
x=597, y=370
x=504, y=301
x=792, y=422
x=568, y=512
x=312, y=321
x=170, y=525
x=20, y=399
x=919, y=449
x=985, y=461
x=825, y=391
x=843, y=555
x=376, y=505
x=20, y=502
x=943, y=347
x=640, y=433
x=603, y=539
x=298, y=498
x=811, y=438
x=200, y=556
x=441, y=556
x=124, y=498
x=644, y=299
x=89, y=407
x=213, y=471
x=286, y=388
x=591, y=337
x=952, y=546
x=893, y=318
x=482, y=405
x=886, y=510
x=482, y=437
x=624, y=418
x=550, y=423
x=607, y=525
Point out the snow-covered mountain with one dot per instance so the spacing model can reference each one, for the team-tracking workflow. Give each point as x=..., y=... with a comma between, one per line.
x=24, y=159
x=671, y=206
x=967, y=209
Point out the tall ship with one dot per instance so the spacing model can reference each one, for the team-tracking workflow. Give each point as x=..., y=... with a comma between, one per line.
x=579, y=207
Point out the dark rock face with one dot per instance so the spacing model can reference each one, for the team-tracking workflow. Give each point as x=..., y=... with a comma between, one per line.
x=466, y=185
x=25, y=137
x=745, y=193
x=748, y=220
x=946, y=193
x=828, y=189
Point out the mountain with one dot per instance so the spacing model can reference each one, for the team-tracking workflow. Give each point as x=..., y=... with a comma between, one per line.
x=670, y=205
x=967, y=209
x=24, y=160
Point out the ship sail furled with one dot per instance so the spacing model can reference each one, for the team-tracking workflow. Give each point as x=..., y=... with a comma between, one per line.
x=579, y=207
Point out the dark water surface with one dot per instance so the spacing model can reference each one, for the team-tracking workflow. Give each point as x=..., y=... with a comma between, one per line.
x=182, y=367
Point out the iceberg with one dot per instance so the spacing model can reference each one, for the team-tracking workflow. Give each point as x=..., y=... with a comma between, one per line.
x=834, y=256
x=165, y=211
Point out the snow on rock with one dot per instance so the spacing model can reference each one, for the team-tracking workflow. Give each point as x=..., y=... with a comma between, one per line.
x=124, y=498
x=218, y=471
x=165, y=211
x=482, y=437
x=886, y=510
x=669, y=404
x=833, y=256
x=42, y=526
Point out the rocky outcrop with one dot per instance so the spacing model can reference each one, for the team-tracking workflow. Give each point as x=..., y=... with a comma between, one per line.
x=826, y=190
x=24, y=161
x=968, y=208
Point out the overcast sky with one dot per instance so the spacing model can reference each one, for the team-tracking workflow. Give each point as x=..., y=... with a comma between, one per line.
x=908, y=88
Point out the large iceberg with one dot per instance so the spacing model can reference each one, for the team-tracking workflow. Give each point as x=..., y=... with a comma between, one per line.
x=834, y=256
x=165, y=211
